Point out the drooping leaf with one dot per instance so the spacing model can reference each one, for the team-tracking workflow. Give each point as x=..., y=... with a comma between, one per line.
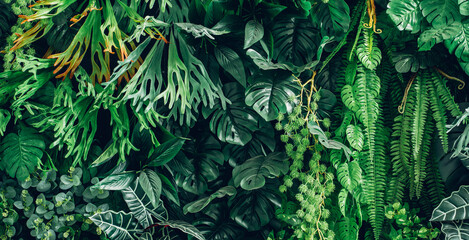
x=254, y=31
x=200, y=31
x=458, y=44
x=117, y=225
x=271, y=93
x=453, y=207
x=118, y=181
x=333, y=16
x=368, y=52
x=21, y=153
x=251, y=174
x=200, y=204
x=232, y=63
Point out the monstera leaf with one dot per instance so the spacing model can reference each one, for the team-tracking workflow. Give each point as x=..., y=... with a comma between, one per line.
x=217, y=224
x=433, y=36
x=440, y=13
x=334, y=16
x=295, y=40
x=21, y=153
x=405, y=14
x=453, y=207
x=254, y=209
x=459, y=44
x=355, y=137
x=368, y=51
x=349, y=174
x=271, y=93
x=251, y=174
x=347, y=228
x=235, y=122
x=117, y=225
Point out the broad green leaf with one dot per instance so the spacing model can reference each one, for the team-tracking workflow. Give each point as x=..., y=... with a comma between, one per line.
x=139, y=202
x=200, y=204
x=21, y=153
x=342, y=201
x=251, y=174
x=440, y=13
x=347, y=229
x=455, y=230
x=367, y=51
x=349, y=99
x=349, y=175
x=151, y=184
x=432, y=36
x=458, y=44
x=117, y=225
x=270, y=94
x=5, y=117
x=168, y=189
x=453, y=207
x=165, y=152
x=464, y=7
x=254, y=209
x=253, y=32
x=200, y=31
x=405, y=14
x=355, y=137
x=236, y=122
x=118, y=181
x=232, y=63
x=263, y=63
x=185, y=227
x=333, y=16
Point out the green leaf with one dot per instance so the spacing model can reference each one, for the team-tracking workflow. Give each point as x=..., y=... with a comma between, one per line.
x=200, y=204
x=232, y=63
x=349, y=175
x=253, y=32
x=139, y=203
x=405, y=14
x=342, y=201
x=5, y=117
x=151, y=184
x=440, y=13
x=355, y=137
x=453, y=207
x=165, y=152
x=349, y=99
x=433, y=36
x=254, y=209
x=21, y=153
x=263, y=63
x=185, y=227
x=235, y=123
x=200, y=31
x=367, y=51
x=333, y=16
x=251, y=174
x=117, y=225
x=459, y=44
x=455, y=230
x=117, y=181
x=110, y=152
x=271, y=93
x=168, y=189
x=347, y=229
x=464, y=7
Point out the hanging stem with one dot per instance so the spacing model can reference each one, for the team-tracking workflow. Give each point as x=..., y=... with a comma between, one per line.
x=401, y=107
x=371, y=10
x=461, y=85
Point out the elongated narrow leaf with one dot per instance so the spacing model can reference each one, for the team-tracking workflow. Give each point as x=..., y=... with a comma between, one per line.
x=254, y=31
x=185, y=227
x=110, y=152
x=454, y=207
x=117, y=225
x=455, y=230
x=151, y=184
x=199, y=205
x=232, y=63
x=116, y=181
x=165, y=152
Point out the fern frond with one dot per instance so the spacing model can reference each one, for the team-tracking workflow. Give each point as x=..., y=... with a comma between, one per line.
x=395, y=189
x=439, y=112
x=445, y=95
x=420, y=163
x=420, y=114
x=434, y=186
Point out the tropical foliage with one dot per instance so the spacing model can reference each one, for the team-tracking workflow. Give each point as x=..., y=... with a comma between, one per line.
x=214, y=119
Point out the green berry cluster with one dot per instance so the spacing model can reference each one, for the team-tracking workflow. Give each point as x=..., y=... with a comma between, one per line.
x=19, y=7
x=307, y=172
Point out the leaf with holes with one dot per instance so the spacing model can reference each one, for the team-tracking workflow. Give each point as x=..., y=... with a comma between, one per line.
x=433, y=36
x=459, y=44
x=21, y=153
x=251, y=174
x=349, y=99
x=334, y=16
x=349, y=175
x=355, y=137
x=440, y=13
x=464, y=7
x=405, y=14
x=367, y=51
x=453, y=207
x=347, y=228
x=271, y=93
